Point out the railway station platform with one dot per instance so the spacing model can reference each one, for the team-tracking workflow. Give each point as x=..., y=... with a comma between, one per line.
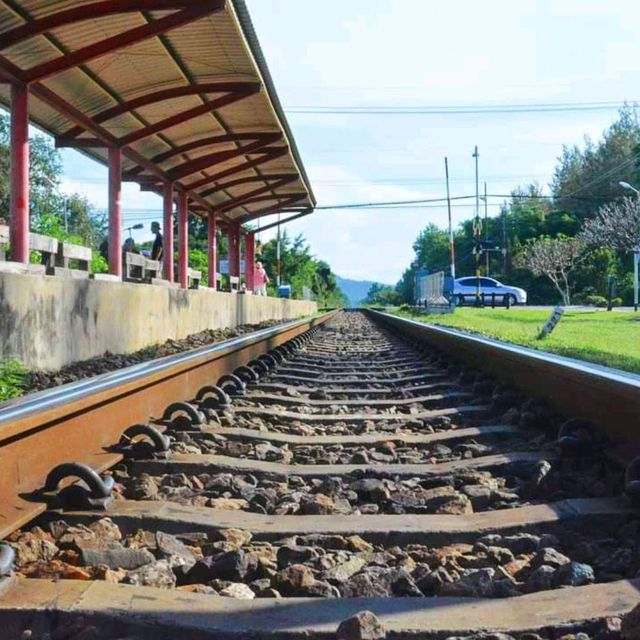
x=49, y=322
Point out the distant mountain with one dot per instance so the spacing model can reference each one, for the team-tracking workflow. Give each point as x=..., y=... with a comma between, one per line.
x=355, y=290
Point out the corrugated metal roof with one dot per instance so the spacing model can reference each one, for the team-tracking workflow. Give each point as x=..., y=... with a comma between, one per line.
x=213, y=43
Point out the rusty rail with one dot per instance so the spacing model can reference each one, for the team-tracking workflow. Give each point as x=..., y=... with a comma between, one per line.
x=607, y=397
x=80, y=422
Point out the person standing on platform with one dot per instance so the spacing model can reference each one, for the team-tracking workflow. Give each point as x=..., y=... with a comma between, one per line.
x=157, y=248
x=260, y=280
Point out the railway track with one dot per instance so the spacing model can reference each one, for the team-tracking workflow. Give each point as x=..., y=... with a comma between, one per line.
x=350, y=463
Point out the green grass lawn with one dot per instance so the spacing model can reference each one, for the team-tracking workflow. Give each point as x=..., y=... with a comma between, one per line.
x=611, y=339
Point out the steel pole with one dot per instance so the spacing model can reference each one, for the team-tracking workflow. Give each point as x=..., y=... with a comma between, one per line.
x=504, y=241
x=486, y=230
x=19, y=208
x=476, y=155
x=115, y=212
x=213, y=250
x=452, y=253
x=183, y=239
x=167, y=227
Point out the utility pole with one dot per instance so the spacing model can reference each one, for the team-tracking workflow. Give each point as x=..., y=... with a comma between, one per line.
x=486, y=231
x=452, y=253
x=504, y=240
x=477, y=230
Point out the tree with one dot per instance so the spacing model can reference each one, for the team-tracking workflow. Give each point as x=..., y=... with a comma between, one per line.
x=585, y=179
x=300, y=269
x=382, y=295
x=615, y=226
x=554, y=258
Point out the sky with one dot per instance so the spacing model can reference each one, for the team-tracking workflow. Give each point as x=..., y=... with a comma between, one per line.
x=408, y=54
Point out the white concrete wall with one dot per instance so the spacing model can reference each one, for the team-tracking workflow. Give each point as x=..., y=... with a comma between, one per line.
x=47, y=322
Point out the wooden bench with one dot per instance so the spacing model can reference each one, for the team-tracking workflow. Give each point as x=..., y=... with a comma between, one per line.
x=47, y=247
x=134, y=265
x=72, y=260
x=152, y=270
x=193, y=278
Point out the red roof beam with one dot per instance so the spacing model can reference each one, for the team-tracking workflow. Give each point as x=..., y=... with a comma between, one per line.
x=199, y=164
x=267, y=138
x=79, y=143
x=122, y=40
x=200, y=110
x=161, y=96
x=303, y=213
x=288, y=197
x=205, y=162
x=84, y=12
x=248, y=180
x=250, y=164
x=240, y=200
x=276, y=208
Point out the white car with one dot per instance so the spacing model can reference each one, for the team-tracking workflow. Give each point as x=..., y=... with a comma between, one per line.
x=464, y=290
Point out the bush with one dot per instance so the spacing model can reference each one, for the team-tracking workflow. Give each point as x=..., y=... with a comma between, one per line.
x=12, y=379
x=616, y=302
x=404, y=307
x=581, y=296
x=596, y=301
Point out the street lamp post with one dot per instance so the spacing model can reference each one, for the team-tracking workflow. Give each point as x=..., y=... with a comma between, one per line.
x=636, y=249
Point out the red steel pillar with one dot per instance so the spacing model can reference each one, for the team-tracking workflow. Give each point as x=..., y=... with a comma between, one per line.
x=115, y=212
x=183, y=239
x=249, y=260
x=213, y=249
x=167, y=227
x=19, y=210
x=234, y=249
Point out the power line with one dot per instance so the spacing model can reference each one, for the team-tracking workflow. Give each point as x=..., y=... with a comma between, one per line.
x=557, y=107
x=400, y=203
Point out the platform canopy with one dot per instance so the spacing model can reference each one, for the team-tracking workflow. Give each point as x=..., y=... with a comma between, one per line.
x=180, y=86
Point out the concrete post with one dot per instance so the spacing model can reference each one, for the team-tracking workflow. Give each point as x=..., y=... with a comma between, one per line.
x=19, y=208
x=115, y=212
x=167, y=228
x=183, y=240
x=213, y=249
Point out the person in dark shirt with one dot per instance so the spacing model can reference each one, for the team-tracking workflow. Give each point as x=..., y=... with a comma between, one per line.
x=156, y=250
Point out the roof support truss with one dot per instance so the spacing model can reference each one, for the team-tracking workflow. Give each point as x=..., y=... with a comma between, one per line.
x=233, y=88
x=179, y=118
x=205, y=162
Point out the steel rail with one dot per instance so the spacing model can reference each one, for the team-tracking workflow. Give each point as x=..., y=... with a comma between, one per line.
x=80, y=422
x=608, y=398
